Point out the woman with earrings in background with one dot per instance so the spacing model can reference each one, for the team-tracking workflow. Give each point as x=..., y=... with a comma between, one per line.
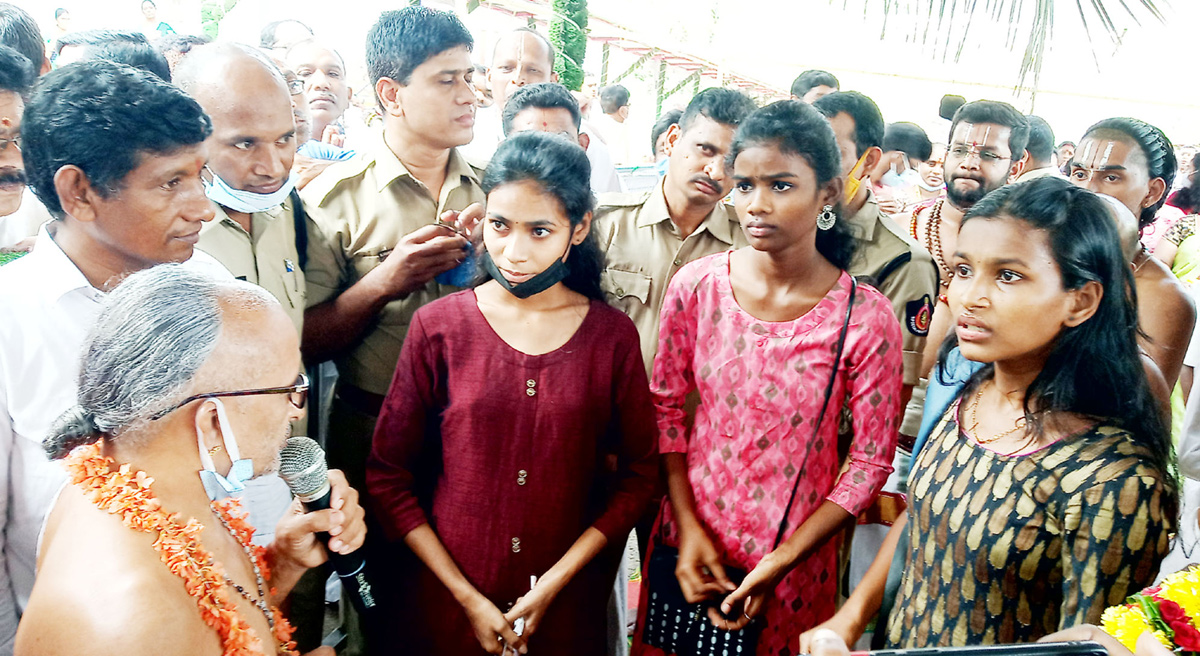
x=775, y=338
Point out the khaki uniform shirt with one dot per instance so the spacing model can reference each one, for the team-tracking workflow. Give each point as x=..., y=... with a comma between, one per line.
x=644, y=250
x=266, y=256
x=359, y=210
x=910, y=284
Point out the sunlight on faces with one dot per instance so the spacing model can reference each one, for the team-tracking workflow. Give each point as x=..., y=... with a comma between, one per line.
x=325, y=83
x=300, y=115
x=258, y=348
x=253, y=143
x=1117, y=167
x=554, y=120
x=520, y=58
x=526, y=229
x=155, y=215
x=931, y=169
x=978, y=161
x=777, y=197
x=438, y=104
x=1007, y=295
x=697, y=160
x=12, y=167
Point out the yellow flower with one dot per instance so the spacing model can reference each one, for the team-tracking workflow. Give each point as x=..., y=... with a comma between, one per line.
x=1183, y=587
x=1126, y=624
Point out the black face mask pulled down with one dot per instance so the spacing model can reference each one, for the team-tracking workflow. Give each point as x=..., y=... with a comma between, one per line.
x=554, y=274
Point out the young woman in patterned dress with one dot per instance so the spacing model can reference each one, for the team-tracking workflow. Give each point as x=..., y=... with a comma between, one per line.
x=754, y=333
x=1045, y=493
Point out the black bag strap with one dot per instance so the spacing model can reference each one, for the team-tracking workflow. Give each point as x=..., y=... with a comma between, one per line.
x=837, y=361
x=299, y=216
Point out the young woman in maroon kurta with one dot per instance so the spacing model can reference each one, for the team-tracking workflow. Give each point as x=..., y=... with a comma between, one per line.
x=517, y=439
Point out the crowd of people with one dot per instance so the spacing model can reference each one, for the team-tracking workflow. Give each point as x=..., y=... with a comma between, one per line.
x=844, y=381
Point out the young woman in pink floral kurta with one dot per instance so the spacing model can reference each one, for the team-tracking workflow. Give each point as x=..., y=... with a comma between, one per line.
x=761, y=385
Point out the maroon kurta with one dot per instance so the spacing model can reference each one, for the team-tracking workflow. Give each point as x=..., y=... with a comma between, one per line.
x=510, y=458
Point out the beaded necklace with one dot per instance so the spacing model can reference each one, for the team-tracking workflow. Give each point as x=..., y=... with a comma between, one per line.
x=126, y=493
x=933, y=244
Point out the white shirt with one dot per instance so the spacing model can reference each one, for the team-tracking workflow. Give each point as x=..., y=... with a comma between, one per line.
x=23, y=223
x=1189, y=441
x=604, y=174
x=49, y=307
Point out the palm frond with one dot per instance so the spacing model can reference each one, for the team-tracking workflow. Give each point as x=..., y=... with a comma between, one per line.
x=947, y=24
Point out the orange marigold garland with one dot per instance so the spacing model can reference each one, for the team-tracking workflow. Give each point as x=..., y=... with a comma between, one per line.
x=127, y=494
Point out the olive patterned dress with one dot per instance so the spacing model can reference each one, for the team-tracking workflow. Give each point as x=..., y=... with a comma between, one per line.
x=1007, y=549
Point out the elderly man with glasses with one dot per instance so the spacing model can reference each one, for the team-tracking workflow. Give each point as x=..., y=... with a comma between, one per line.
x=178, y=566
x=115, y=154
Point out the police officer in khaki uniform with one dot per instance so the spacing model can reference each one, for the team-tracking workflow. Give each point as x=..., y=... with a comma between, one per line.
x=886, y=257
x=649, y=236
x=250, y=156
x=375, y=242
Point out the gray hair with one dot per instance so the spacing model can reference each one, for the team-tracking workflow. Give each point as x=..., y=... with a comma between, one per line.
x=155, y=331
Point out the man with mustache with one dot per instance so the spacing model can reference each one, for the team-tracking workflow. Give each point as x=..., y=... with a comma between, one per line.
x=325, y=86
x=648, y=236
x=115, y=154
x=248, y=175
x=986, y=149
x=375, y=243
x=20, y=212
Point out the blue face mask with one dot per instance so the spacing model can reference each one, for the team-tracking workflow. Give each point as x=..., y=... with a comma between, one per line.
x=217, y=486
x=219, y=192
x=908, y=178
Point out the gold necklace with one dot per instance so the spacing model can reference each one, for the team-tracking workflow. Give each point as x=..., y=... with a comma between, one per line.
x=973, y=413
x=1141, y=255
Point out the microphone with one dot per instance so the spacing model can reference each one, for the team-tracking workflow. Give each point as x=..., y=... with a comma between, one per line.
x=302, y=466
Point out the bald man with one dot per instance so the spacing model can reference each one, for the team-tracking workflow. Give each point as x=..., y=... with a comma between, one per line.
x=521, y=57
x=248, y=177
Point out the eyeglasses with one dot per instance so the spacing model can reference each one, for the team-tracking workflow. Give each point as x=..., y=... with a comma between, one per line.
x=985, y=156
x=297, y=395
x=295, y=86
x=16, y=141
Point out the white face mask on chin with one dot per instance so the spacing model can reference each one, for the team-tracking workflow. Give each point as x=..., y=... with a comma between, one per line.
x=219, y=192
x=215, y=485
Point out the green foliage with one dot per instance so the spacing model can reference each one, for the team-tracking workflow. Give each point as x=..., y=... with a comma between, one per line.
x=211, y=13
x=568, y=34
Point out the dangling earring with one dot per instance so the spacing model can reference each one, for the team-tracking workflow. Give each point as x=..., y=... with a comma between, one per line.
x=826, y=218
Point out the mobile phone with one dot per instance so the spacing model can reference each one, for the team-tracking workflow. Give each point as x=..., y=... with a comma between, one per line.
x=1076, y=648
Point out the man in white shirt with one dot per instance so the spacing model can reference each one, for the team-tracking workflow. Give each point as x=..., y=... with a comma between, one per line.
x=20, y=212
x=614, y=130
x=115, y=154
x=521, y=57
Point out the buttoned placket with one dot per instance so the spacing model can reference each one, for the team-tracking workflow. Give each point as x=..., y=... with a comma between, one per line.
x=523, y=474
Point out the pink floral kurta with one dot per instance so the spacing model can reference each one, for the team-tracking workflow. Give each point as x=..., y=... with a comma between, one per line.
x=761, y=385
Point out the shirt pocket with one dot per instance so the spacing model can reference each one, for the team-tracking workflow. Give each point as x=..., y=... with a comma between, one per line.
x=293, y=284
x=619, y=285
x=363, y=262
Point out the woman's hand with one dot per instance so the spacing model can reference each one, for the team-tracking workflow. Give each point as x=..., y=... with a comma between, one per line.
x=844, y=624
x=532, y=607
x=699, y=570
x=492, y=630
x=824, y=642
x=751, y=596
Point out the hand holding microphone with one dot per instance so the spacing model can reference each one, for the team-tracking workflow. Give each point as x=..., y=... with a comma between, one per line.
x=303, y=468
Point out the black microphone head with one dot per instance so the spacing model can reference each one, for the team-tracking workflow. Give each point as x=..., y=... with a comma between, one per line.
x=302, y=466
